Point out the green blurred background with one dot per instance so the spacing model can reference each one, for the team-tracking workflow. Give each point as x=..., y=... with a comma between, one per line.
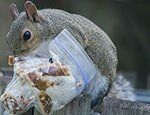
x=127, y=22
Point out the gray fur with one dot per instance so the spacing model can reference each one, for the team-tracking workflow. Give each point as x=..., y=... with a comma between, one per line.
x=95, y=42
x=121, y=89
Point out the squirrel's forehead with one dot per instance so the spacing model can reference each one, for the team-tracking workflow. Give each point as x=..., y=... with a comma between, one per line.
x=16, y=28
x=19, y=22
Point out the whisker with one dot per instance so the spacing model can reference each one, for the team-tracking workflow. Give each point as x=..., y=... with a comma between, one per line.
x=5, y=52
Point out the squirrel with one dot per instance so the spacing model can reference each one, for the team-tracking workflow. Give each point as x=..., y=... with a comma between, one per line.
x=33, y=28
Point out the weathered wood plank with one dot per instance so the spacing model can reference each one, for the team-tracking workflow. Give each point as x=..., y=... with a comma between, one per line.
x=122, y=107
x=142, y=95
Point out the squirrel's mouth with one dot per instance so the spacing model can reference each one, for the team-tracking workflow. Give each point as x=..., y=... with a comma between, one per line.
x=18, y=53
x=23, y=51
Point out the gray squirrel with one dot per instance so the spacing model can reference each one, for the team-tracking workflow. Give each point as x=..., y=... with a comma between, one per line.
x=33, y=28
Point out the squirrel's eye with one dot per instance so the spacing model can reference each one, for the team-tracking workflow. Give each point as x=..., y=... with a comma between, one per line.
x=26, y=35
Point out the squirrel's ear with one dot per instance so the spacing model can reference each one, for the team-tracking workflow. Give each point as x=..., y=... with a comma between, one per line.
x=13, y=11
x=31, y=11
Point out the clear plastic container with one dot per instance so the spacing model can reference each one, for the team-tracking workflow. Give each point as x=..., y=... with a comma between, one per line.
x=49, y=84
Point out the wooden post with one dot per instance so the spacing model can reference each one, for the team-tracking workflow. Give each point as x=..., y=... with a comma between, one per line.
x=122, y=107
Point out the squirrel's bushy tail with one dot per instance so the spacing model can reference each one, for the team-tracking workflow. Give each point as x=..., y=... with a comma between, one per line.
x=121, y=89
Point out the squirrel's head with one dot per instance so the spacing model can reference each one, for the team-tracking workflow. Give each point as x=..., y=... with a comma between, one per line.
x=28, y=29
